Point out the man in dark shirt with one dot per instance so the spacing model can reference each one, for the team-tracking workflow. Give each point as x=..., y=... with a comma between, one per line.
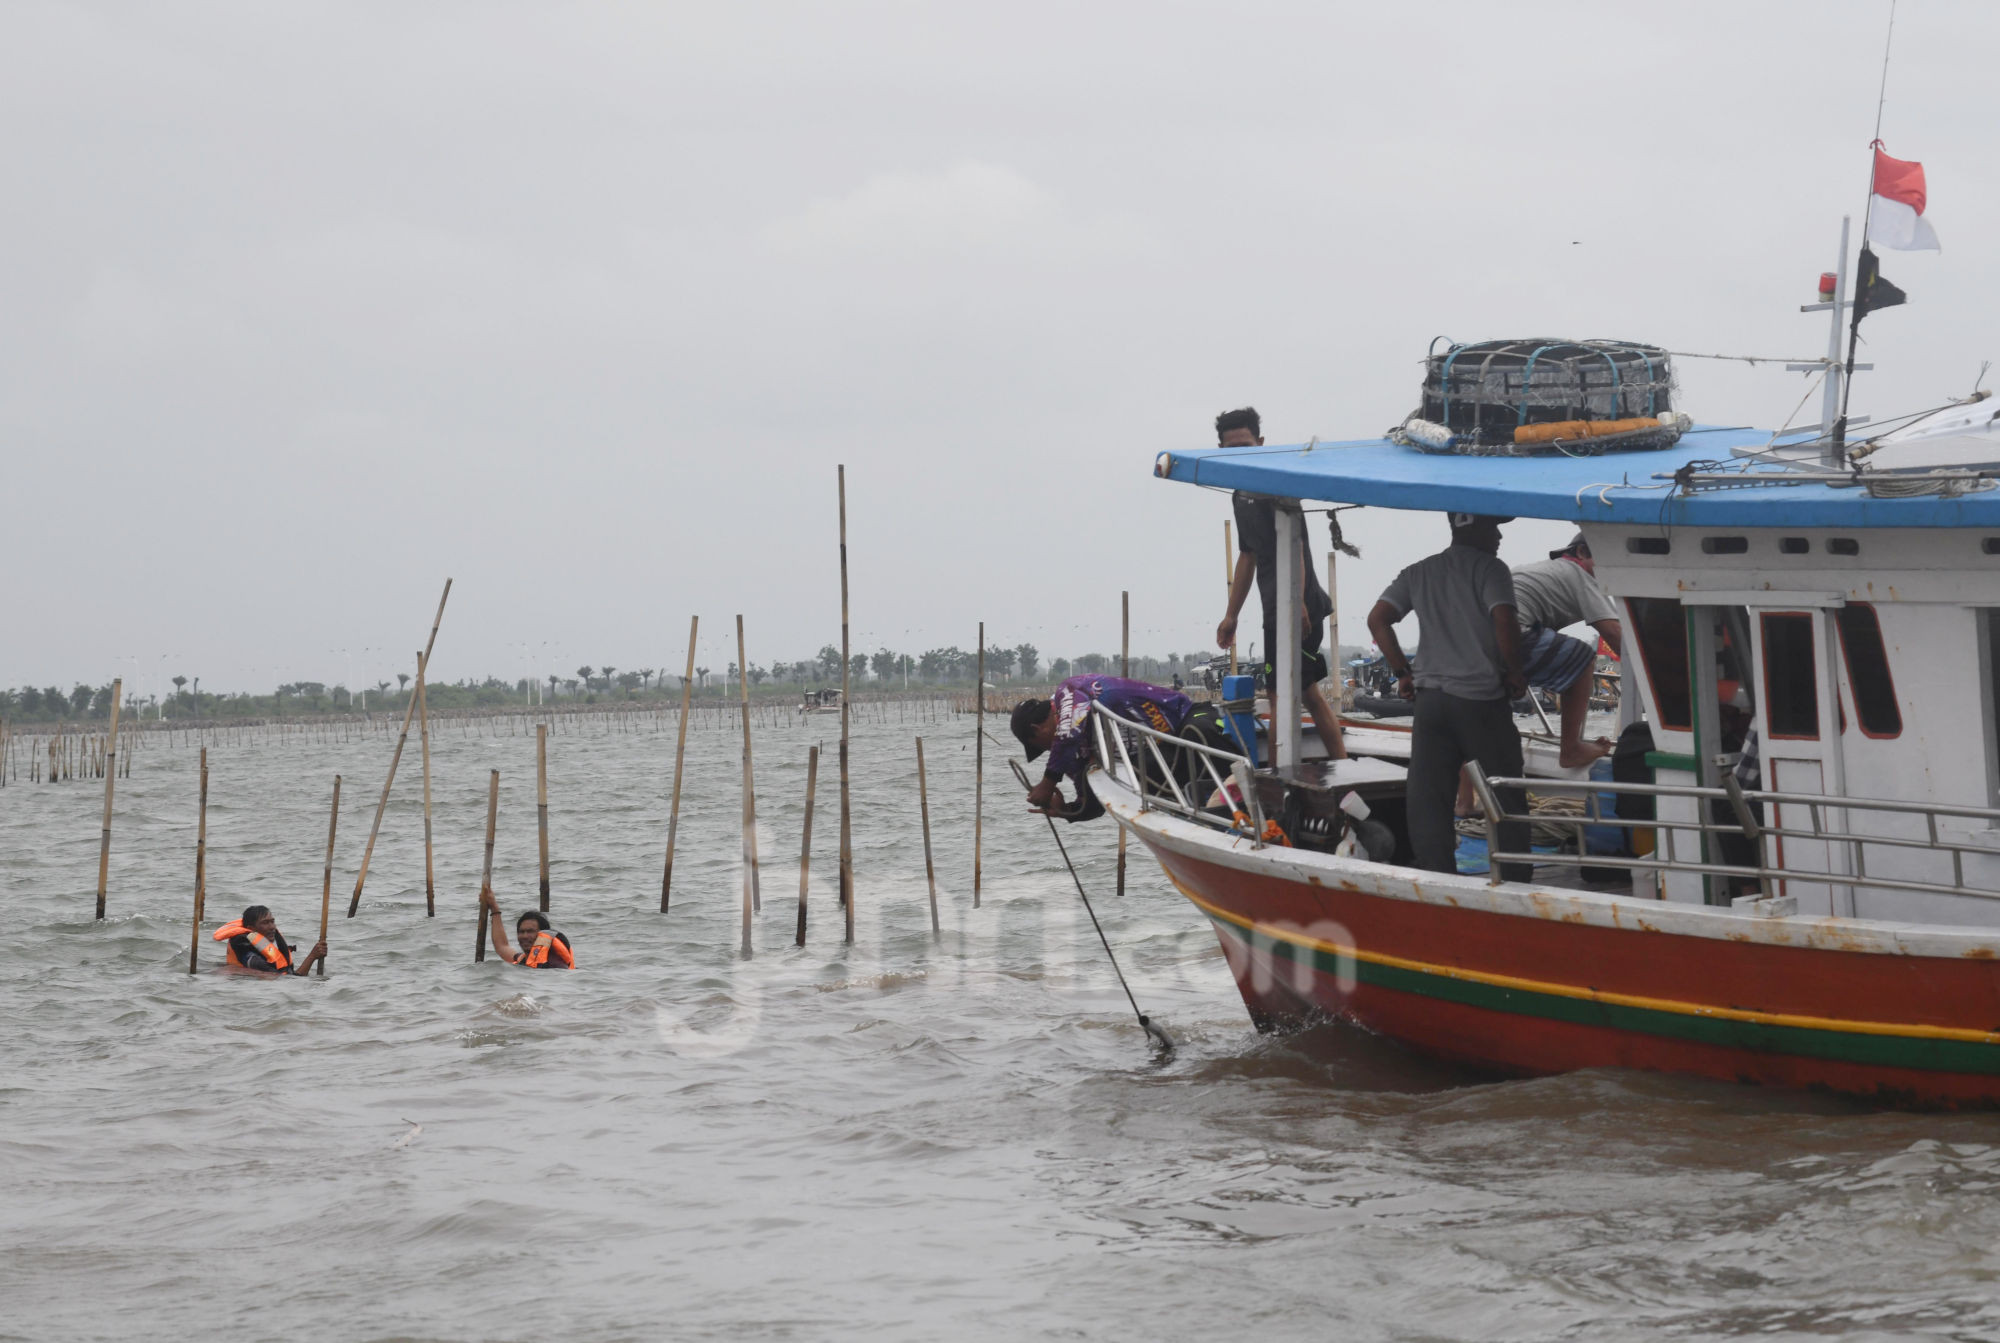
x=1257, y=555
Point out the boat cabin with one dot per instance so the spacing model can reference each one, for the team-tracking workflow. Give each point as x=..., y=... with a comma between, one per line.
x=1847, y=617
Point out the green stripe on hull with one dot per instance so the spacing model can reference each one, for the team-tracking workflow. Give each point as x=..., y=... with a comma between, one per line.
x=1892, y=1051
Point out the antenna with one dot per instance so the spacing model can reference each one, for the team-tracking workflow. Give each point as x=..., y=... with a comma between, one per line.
x=1863, y=277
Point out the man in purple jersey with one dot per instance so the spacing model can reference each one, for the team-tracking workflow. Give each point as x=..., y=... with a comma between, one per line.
x=1059, y=726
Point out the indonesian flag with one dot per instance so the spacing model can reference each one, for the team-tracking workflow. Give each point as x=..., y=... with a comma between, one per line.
x=1896, y=214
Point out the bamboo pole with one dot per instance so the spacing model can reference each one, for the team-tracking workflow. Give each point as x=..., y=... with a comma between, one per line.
x=846, y=815
x=1229, y=581
x=924, y=807
x=326, y=882
x=110, y=783
x=409, y=710
x=1124, y=669
x=978, y=763
x=749, y=777
x=1333, y=630
x=200, y=869
x=806, y=838
x=680, y=755
x=486, y=873
x=542, y=804
x=424, y=736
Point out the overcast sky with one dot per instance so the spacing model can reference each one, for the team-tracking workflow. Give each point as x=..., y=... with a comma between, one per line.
x=307, y=307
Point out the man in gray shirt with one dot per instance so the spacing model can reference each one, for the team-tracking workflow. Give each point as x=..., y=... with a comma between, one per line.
x=1468, y=673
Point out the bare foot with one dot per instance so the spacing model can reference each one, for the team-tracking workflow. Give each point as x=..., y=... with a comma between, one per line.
x=1584, y=753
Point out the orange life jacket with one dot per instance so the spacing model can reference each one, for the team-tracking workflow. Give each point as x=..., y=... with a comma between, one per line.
x=263, y=945
x=547, y=944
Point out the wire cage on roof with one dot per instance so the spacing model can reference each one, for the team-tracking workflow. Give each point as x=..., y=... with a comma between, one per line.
x=1490, y=388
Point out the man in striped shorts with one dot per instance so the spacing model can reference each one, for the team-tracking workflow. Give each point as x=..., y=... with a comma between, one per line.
x=1550, y=596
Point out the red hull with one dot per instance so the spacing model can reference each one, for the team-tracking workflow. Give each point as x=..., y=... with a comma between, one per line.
x=1521, y=993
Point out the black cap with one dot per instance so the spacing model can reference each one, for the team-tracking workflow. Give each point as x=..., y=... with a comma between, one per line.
x=1028, y=715
x=1576, y=546
x=1461, y=521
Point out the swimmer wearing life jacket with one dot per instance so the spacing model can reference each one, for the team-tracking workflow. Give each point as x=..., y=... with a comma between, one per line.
x=254, y=943
x=541, y=946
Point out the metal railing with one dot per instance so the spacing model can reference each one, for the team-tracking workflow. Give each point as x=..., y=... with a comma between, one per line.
x=1119, y=740
x=1828, y=823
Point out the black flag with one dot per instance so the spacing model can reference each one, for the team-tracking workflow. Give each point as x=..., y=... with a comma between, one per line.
x=1871, y=291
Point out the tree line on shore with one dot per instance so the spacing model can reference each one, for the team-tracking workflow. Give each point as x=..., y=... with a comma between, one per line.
x=883, y=670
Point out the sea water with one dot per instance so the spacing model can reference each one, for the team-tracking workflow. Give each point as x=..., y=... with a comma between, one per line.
x=911, y=1137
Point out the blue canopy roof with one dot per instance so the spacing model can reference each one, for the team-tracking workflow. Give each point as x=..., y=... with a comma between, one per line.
x=1618, y=487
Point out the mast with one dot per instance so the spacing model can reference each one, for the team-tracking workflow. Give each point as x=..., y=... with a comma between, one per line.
x=1836, y=449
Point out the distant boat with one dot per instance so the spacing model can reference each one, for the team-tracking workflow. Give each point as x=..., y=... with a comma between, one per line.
x=821, y=701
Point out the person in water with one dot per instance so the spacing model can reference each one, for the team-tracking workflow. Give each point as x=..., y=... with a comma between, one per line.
x=541, y=946
x=253, y=942
x=1059, y=727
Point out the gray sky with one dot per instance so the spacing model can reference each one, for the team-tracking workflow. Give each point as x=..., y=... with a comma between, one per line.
x=309, y=306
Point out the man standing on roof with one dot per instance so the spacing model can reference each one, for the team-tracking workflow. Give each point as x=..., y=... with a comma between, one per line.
x=1257, y=555
x=1467, y=676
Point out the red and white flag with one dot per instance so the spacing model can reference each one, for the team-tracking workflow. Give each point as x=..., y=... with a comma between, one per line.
x=1896, y=214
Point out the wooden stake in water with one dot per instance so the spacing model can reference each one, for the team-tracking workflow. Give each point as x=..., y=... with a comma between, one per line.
x=680, y=754
x=542, y=804
x=924, y=807
x=486, y=873
x=846, y=817
x=979, y=764
x=749, y=779
x=409, y=711
x=110, y=782
x=806, y=839
x=326, y=882
x=200, y=869
x=424, y=736
x=1124, y=669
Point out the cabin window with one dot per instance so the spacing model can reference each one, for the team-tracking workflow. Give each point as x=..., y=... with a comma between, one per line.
x=1842, y=545
x=1648, y=545
x=1661, y=629
x=1868, y=671
x=1991, y=545
x=1725, y=545
x=1791, y=678
x=1794, y=545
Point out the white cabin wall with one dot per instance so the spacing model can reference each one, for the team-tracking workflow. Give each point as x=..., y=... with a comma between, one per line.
x=1928, y=587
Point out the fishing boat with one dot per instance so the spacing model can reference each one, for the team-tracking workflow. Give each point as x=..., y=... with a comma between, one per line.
x=820, y=701
x=1834, y=927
